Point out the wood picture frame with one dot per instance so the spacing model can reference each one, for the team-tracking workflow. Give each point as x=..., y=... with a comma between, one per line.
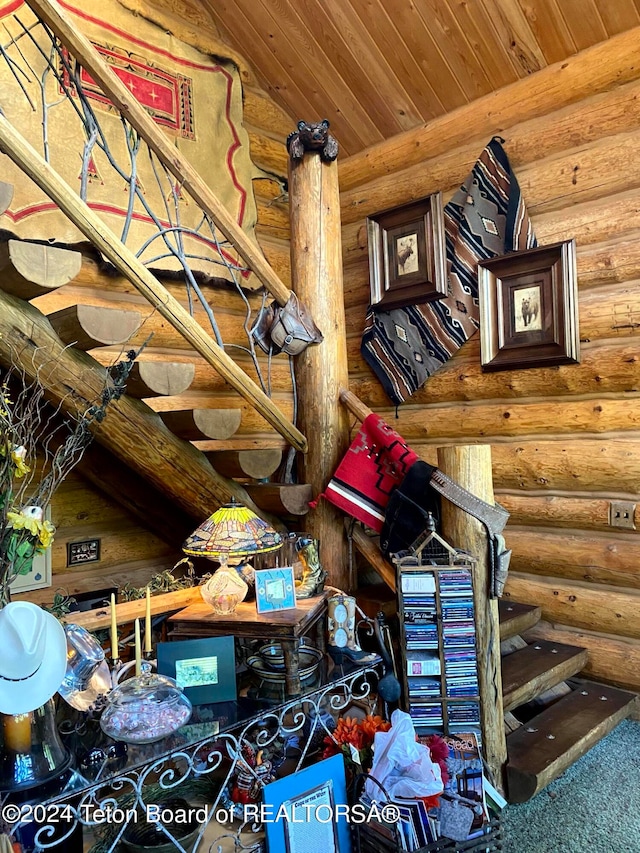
x=529, y=308
x=407, y=256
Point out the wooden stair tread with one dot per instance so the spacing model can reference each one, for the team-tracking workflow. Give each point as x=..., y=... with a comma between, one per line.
x=543, y=748
x=528, y=672
x=516, y=618
x=257, y=464
x=33, y=269
x=197, y=424
x=89, y=326
x=160, y=378
x=290, y=498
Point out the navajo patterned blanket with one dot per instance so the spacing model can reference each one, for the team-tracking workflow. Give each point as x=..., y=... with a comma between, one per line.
x=374, y=465
x=485, y=218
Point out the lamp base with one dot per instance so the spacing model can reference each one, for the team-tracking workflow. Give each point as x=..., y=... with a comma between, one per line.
x=224, y=590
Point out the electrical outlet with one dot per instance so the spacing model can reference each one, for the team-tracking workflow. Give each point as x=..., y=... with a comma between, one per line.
x=622, y=514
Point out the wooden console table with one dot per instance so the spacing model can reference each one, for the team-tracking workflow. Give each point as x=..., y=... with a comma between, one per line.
x=285, y=626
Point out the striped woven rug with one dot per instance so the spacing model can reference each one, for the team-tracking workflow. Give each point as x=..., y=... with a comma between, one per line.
x=485, y=218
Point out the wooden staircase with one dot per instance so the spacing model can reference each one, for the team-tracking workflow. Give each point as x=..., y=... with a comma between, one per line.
x=550, y=722
x=37, y=273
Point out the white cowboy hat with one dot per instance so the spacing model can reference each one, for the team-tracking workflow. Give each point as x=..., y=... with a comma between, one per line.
x=34, y=657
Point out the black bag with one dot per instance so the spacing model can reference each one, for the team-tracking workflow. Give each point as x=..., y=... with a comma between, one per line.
x=407, y=512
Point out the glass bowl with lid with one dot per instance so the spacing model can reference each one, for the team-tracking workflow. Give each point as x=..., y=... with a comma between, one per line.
x=145, y=709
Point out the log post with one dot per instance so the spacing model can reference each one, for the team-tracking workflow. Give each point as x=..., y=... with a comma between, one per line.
x=316, y=269
x=470, y=467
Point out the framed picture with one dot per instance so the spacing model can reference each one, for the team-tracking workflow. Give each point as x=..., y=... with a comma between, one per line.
x=39, y=575
x=275, y=589
x=529, y=308
x=302, y=809
x=205, y=669
x=407, y=260
x=79, y=553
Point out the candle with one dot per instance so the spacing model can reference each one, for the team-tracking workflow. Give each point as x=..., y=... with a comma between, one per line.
x=147, y=623
x=17, y=732
x=115, y=654
x=138, y=649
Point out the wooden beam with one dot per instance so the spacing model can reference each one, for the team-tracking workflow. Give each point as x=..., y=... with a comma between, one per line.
x=129, y=611
x=597, y=69
x=612, y=610
x=29, y=269
x=28, y=159
x=87, y=327
x=610, y=557
x=189, y=179
x=316, y=266
x=199, y=424
x=470, y=467
x=355, y=406
x=131, y=430
x=147, y=504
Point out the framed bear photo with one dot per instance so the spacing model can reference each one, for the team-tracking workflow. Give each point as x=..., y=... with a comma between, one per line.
x=529, y=308
x=407, y=259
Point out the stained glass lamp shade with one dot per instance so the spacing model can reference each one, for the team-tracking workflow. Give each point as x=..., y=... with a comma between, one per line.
x=230, y=535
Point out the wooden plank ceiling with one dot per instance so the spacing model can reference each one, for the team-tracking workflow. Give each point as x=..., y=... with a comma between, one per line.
x=376, y=68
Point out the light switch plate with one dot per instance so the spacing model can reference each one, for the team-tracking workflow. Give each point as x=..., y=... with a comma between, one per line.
x=622, y=514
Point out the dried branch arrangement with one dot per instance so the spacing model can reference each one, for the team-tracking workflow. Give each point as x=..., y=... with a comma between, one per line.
x=38, y=448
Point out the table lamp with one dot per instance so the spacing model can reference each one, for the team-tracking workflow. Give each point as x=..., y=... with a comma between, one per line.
x=228, y=536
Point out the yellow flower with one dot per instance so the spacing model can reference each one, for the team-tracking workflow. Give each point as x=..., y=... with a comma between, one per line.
x=19, y=521
x=18, y=456
x=47, y=532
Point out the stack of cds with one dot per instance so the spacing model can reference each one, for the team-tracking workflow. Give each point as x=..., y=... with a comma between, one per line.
x=440, y=641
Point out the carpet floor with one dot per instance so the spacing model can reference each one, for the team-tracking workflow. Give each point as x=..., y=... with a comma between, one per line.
x=594, y=807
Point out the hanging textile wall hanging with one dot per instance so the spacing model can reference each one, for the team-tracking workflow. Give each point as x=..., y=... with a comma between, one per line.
x=192, y=97
x=485, y=218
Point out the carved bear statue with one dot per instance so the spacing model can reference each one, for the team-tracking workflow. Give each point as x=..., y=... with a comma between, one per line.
x=312, y=136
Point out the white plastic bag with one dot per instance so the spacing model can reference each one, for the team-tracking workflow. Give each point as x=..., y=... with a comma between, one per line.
x=401, y=765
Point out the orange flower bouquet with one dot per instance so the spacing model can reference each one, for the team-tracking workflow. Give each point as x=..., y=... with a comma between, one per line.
x=354, y=739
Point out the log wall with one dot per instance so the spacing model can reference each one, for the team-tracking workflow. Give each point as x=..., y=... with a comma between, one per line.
x=565, y=440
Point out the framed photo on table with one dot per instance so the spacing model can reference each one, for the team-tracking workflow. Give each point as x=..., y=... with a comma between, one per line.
x=205, y=668
x=529, y=308
x=275, y=589
x=407, y=254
